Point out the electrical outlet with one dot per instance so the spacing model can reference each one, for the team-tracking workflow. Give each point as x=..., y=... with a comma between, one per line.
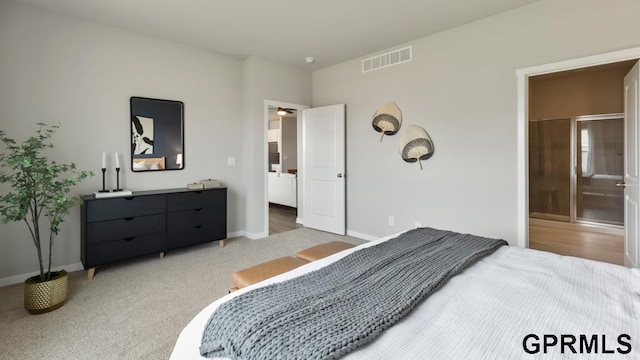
x=418, y=224
x=391, y=220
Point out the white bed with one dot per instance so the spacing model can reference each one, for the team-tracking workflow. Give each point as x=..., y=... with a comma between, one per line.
x=487, y=311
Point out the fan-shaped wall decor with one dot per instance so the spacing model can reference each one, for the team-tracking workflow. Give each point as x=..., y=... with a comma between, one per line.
x=387, y=119
x=416, y=145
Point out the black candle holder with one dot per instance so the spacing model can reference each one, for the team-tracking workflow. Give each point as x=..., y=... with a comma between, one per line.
x=117, y=180
x=104, y=190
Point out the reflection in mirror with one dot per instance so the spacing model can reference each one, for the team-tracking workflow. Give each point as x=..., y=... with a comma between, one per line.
x=157, y=134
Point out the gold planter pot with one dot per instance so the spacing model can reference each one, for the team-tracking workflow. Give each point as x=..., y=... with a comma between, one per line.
x=45, y=296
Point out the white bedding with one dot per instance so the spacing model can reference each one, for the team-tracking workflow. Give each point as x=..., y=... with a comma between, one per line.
x=486, y=311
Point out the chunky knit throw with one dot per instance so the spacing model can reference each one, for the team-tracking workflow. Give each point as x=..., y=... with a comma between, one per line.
x=329, y=312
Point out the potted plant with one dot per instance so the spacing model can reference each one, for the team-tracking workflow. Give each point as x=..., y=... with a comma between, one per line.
x=39, y=196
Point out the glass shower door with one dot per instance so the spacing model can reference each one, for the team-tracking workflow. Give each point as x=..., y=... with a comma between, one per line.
x=599, y=167
x=550, y=169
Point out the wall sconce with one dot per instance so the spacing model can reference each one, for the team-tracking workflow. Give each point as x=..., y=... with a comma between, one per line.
x=416, y=145
x=387, y=119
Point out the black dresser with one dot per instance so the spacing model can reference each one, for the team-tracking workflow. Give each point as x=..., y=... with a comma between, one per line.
x=149, y=222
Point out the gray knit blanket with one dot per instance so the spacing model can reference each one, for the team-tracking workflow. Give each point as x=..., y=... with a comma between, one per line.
x=329, y=312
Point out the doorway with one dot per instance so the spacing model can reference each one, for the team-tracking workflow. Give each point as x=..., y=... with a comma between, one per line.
x=282, y=161
x=320, y=174
x=283, y=200
x=575, y=167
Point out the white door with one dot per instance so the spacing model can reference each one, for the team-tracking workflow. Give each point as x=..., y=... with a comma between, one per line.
x=631, y=167
x=323, y=168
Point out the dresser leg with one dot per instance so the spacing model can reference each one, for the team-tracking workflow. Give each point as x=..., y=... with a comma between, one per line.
x=221, y=242
x=90, y=273
x=162, y=255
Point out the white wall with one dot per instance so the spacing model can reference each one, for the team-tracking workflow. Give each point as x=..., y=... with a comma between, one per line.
x=461, y=87
x=56, y=68
x=59, y=69
x=265, y=79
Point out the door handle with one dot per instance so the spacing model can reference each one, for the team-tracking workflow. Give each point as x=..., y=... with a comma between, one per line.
x=620, y=184
x=340, y=175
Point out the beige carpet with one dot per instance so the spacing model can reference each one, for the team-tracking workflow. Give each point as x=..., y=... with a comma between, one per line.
x=136, y=309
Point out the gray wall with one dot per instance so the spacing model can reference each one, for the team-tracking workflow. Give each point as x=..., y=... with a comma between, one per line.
x=461, y=87
x=56, y=68
x=265, y=79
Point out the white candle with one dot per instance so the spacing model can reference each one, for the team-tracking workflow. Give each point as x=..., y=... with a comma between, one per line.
x=104, y=160
x=117, y=161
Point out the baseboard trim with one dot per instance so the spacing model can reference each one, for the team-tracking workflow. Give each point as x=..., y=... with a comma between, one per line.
x=17, y=279
x=362, y=236
x=255, y=236
x=78, y=266
x=75, y=267
x=236, y=234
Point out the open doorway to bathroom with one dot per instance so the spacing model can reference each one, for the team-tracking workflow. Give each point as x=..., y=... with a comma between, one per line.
x=282, y=165
x=593, y=147
x=576, y=147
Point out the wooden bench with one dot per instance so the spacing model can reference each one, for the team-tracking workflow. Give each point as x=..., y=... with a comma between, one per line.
x=265, y=270
x=323, y=250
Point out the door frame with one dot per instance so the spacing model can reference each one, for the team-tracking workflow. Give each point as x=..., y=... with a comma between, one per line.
x=522, y=215
x=265, y=161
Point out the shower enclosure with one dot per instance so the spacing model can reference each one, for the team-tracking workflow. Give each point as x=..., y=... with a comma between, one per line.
x=576, y=169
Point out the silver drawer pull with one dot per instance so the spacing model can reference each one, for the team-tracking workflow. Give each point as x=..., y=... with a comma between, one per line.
x=620, y=185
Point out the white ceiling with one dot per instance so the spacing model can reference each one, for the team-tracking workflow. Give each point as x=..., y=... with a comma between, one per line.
x=287, y=31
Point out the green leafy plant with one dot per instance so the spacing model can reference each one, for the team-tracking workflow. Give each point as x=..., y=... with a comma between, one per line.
x=39, y=187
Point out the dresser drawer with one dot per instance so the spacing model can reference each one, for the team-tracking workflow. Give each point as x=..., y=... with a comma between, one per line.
x=124, y=207
x=119, y=229
x=200, y=216
x=197, y=199
x=102, y=253
x=196, y=234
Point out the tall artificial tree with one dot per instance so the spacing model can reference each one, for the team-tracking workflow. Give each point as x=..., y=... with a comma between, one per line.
x=39, y=188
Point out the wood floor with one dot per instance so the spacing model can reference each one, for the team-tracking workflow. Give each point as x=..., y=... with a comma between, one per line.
x=595, y=243
x=601, y=244
x=282, y=218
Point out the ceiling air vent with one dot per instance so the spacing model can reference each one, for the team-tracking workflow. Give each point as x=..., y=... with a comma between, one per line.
x=394, y=57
